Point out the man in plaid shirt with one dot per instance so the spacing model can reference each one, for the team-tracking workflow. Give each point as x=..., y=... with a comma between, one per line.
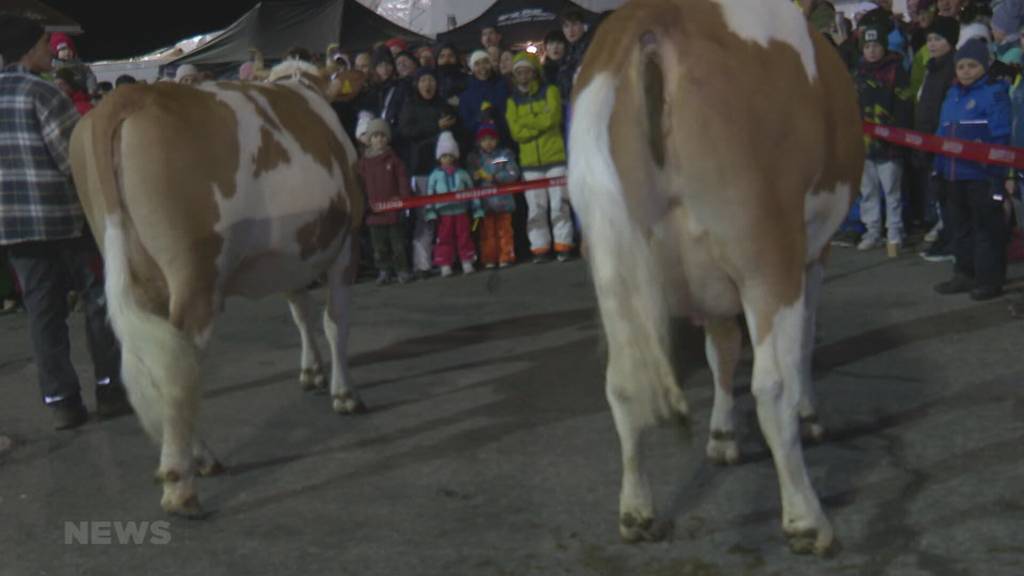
x=43, y=229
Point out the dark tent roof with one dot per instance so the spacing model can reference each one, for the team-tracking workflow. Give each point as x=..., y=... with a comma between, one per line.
x=275, y=27
x=516, y=23
x=51, y=19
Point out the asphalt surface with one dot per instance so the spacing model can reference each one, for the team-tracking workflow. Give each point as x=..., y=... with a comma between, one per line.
x=490, y=449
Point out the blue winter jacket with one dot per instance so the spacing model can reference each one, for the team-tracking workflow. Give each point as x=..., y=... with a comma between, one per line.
x=980, y=112
x=471, y=105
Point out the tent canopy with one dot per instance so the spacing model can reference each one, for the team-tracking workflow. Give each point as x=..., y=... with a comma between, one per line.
x=51, y=19
x=518, y=24
x=273, y=28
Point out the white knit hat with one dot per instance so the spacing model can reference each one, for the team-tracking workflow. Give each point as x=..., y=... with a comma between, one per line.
x=363, y=123
x=378, y=126
x=446, y=145
x=184, y=71
x=478, y=56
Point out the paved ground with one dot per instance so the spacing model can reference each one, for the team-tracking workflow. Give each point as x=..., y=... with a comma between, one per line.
x=490, y=449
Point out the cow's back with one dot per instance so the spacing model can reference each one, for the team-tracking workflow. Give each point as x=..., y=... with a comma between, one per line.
x=728, y=115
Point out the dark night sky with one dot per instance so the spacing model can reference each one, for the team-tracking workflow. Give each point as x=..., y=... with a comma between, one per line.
x=125, y=29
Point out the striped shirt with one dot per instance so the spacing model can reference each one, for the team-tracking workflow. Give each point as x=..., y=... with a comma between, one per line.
x=37, y=197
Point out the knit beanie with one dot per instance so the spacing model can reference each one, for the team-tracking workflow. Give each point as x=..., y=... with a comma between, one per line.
x=973, y=30
x=17, y=36
x=446, y=145
x=363, y=123
x=184, y=71
x=876, y=34
x=975, y=49
x=1008, y=16
x=60, y=40
x=487, y=131
x=525, y=59
x=946, y=27
x=378, y=126
x=397, y=43
x=478, y=56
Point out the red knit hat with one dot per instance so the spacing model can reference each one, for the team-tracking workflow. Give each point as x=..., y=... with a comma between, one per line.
x=397, y=42
x=486, y=130
x=60, y=40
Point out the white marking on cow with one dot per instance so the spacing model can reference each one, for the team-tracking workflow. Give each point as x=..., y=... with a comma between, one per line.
x=295, y=192
x=776, y=387
x=824, y=211
x=762, y=21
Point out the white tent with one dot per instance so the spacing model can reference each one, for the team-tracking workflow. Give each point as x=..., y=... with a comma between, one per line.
x=147, y=66
x=431, y=17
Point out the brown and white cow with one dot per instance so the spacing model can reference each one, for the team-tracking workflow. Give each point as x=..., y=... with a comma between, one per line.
x=197, y=193
x=715, y=146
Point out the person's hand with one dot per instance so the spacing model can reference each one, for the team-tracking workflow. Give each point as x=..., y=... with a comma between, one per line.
x=447, y=121
x=453, y=101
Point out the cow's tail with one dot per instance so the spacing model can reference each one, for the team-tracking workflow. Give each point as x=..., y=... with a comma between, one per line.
x=158, y=361
x=628, y=276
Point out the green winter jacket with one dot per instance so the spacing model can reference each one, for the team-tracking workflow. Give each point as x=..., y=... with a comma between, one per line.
x=535, y=122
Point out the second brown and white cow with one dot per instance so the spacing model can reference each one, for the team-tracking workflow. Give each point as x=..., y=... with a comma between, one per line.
x=197, y=193
x=715, y=146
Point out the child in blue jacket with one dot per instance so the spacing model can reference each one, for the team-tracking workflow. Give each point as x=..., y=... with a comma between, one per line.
x=976, y=108
x=454, y=228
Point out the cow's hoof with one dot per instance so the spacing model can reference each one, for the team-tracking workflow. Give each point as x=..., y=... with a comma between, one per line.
x=312, y=379
x=811, y=429
x=722, y=448
x=348, y=403
x=209, y=467
x=635, y=529
x=811, y=541
x=184, y=505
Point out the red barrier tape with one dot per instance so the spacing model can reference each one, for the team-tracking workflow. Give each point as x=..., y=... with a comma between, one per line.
x=467, y=195
x=952, y=147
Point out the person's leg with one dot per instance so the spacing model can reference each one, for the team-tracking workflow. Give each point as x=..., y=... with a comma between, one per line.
x=381, y=252
x=423, y=231
x=84, y=264
x=506, y=238
x=537, y=225
x=44, y=280
x=464, y=241
x=991, y=234
x=399, y=255
x=961, y=230
x=444, y=249
x=962, y=224
x=891, y=175
x=489, y=239
x=870, y=210
x=561, y=214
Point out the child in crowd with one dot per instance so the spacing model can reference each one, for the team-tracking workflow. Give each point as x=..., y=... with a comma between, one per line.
x=385, y=179
x=491, y=165
x=883, y=88
x=454, y=229
x=976, y=108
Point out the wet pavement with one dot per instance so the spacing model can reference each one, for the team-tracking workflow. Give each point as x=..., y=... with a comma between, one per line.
x=490, y=449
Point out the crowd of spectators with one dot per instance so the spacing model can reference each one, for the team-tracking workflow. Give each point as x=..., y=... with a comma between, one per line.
x=954, y=70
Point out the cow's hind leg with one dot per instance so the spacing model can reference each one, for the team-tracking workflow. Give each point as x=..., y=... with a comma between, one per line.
x=311, y=373
x=723, y=344
x=160, y=368
x=641, y=389
x=810, y=426
x=778, y=362
x=337, y=319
